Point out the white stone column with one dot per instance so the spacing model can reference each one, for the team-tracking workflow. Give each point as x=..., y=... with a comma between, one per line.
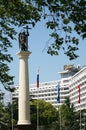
x=23, y=101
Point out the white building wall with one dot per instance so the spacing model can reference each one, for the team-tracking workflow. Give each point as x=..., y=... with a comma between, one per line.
x=48, y=91
x=78, y=79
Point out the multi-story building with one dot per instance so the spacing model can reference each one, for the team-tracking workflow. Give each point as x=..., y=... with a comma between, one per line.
x=66, y=74
x=71, y=77
x=79, y=79
x=47, y=91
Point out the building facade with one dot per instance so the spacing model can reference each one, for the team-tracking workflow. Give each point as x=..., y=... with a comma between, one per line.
x=71, y=77
x=79, y=79
x=48, y=91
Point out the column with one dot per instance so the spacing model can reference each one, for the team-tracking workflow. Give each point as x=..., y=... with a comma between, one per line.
x=23, y=103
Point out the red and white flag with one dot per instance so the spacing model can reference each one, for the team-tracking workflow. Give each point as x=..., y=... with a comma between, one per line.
x=78, y=93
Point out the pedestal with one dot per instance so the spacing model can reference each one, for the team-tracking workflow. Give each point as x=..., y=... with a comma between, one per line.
x=23, y=101
x=25, y=127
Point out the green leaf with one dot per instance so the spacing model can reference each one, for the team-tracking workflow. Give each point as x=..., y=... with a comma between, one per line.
x=66, y=21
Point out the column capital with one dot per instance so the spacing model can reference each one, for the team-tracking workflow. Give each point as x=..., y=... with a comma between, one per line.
x=23, y=54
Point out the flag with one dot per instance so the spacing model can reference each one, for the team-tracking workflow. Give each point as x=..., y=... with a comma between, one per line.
x=58, y=93
x=37, y=80
x=78, y=93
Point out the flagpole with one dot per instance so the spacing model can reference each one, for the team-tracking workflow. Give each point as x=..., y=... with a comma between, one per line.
x=38, y=110
x=38, y=100
x=80, y=116
x=58, y=99
x=60, y=118
x=79, y=101
x=12, y=110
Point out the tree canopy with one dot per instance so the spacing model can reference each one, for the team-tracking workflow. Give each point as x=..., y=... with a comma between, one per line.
x=69, y=118
x=65, y=18
x=4, y=115
x=47, y=113
x=67, y=21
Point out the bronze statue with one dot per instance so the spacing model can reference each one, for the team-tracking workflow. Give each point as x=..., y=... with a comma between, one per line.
x=23, y=39
x=23, y=45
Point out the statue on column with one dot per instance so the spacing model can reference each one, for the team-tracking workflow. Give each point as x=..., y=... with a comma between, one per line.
x=23, y=40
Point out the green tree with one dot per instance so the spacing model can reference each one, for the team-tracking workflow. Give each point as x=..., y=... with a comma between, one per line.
x=48, y=115
x=4, y=115
x=69, y=118
x=1, y=96
x=12, y=110
x=65, y=18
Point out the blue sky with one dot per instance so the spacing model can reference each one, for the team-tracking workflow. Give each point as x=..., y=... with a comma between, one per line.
x=49, y=65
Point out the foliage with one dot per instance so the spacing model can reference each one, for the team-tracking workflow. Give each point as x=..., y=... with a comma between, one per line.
x=67, y=21
x=8, y=113
x=4, y=118
x=48, y=115
x=1, y=96
x=69, y=118
x=65, y=18
x=4, y=115
x=12, y=110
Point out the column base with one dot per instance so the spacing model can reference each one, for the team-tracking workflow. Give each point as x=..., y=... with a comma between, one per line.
x=25, y=127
